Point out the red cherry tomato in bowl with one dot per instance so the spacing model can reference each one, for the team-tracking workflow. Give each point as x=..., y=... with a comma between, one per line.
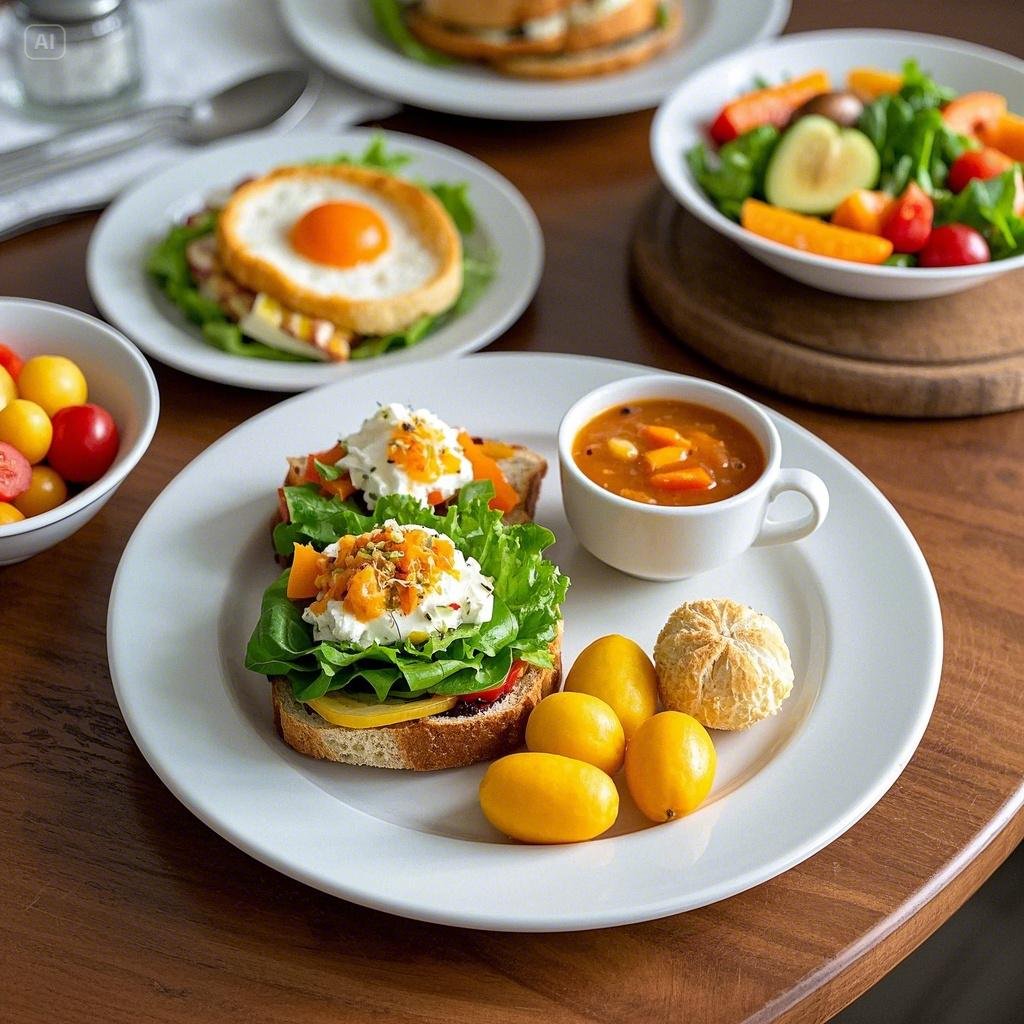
x=10, y=361
x=15, y=472
x=909, y=222
x=976, y=163
x=85, y=442
x=954, y=245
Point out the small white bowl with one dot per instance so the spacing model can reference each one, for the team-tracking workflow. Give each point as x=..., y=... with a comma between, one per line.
x=119, y=379
x=683, y=119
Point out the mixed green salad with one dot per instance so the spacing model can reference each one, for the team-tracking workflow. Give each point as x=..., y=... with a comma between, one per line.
x=169, y=267
x=895, y=168
x=528, y=591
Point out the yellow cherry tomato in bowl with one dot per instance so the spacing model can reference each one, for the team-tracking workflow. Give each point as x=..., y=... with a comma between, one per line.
x=670, y=765
x=619, y=672
x=52, y=382
x=577, y=725
x=46, y=490
x=25, y=425
x=9, y=514
x=8, y=388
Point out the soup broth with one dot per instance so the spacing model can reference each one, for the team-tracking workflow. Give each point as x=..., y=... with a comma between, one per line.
x=666, y=452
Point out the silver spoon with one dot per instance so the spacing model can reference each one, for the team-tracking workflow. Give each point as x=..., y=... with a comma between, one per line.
x=253, y=103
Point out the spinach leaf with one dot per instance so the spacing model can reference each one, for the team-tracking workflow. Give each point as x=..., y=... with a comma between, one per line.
x=390, y=20
x=987, y=206
x=737, y=173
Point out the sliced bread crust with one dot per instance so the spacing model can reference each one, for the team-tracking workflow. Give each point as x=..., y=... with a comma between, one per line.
x=497, y=14
x=467, y=44
x=425, y=744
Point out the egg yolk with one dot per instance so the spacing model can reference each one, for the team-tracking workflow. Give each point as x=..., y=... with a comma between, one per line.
x=421, y=451
x=383, y=571
x=339, y=234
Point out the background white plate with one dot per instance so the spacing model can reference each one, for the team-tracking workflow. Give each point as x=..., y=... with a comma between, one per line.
x=341, y=35
x=855, y=601
x=128, y=230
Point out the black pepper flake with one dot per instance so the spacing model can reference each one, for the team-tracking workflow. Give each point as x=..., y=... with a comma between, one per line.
x=590, y=451
x=625, y=410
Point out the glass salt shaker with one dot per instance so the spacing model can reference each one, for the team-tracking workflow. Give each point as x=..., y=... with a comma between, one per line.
x=74, y=58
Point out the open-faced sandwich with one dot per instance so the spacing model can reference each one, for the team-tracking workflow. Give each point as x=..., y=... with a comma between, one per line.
x=408, y=639
x=535, y=38
x=334, y=260
x=399, y=450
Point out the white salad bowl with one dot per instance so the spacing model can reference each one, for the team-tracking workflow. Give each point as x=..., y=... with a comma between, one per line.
x=119, y=379
x=683, y=119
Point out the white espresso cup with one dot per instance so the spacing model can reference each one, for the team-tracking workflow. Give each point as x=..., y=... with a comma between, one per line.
x=671, y=542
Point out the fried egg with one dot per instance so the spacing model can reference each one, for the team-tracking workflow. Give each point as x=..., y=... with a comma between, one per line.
x=394, y=584
x=368, y=251
x=399, y=450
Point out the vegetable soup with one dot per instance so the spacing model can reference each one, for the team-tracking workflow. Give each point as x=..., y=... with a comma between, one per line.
x=667, y=452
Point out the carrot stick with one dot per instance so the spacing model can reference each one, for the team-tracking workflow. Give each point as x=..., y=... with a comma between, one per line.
x=1006, y=135
x=485, y=468
x=870, y=83
x=774, y=105
x=813, y=235
x=695, y=479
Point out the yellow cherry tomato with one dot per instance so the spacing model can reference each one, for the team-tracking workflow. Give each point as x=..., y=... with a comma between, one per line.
x=8, y=388
x=577, y=725
x=670, y=765
x=619, y=672
x=548, y=798
x=25, y=425
x=9, y=514
x=46, y=490
x=52, y=382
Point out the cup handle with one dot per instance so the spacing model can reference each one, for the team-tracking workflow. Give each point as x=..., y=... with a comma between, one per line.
x=813, y=489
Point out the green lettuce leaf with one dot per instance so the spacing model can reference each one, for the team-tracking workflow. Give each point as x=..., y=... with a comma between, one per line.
x=987, y=206
x=738, y=170
x=528, y=593
x=169, y=268
x=389, y=15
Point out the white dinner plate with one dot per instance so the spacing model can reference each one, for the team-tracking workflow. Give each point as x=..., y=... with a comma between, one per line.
x=139, y=219
x=855, y=601
x=341, y=35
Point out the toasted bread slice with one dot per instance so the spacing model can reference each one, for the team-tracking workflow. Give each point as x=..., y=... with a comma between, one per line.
x=524, y=469
x=601, y=60
x=465, y=735
x=481, y=44
x=587, y=33
x=497, y=14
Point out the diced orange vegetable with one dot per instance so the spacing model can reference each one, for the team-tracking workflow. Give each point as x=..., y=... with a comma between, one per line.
x=660, y=459
x=1006, y=134
x=863, y=210
x=658, y=435
x=774, y=105
x=870, y=83
x=328, y=458
x=485, y=468
x=364, y=599
x=434, y=497
x=497, y=449
x=340, y=488
x=304, y=571
x=812, y=235
x=695, y=479
x=974, y=112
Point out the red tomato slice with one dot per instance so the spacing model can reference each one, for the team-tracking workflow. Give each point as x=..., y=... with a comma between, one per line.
x=85, y=443
x=909, y=222
x=15, y=472
x=491, y=695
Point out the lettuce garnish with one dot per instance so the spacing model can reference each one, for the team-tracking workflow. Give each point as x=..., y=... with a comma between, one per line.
x=528, y=593
x=169, y=268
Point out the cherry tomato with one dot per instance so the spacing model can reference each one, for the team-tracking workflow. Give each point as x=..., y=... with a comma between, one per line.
x=10, y=361
x=909, y=222
x=954, y=245
x=52, y=382
x=15, y=472
x=976, y=163
x=9, y=514
x=491, y=695
x=45, y=491
x=27, y=427
x=8, y=389
x=85, y=442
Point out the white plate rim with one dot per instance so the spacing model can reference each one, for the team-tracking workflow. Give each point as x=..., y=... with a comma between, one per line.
x=272, y=844
x=669, y=158
x=445, y=89
x=121, y=289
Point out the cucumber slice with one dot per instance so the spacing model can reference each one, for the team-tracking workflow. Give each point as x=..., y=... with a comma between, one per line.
x=817, y=164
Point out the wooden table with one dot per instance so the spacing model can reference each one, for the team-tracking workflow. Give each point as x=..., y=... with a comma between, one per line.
x=119, y=905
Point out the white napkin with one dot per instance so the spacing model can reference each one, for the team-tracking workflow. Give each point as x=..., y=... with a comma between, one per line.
x=189, y=48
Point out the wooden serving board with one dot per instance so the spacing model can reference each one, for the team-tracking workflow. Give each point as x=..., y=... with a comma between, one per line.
x=960, y=355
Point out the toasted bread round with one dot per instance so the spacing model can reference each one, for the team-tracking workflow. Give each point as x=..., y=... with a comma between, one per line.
x=414, y=206
x=467, y=44
x=601, y=60
x=635, y=17
x=450, y=740
x=499, y=14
